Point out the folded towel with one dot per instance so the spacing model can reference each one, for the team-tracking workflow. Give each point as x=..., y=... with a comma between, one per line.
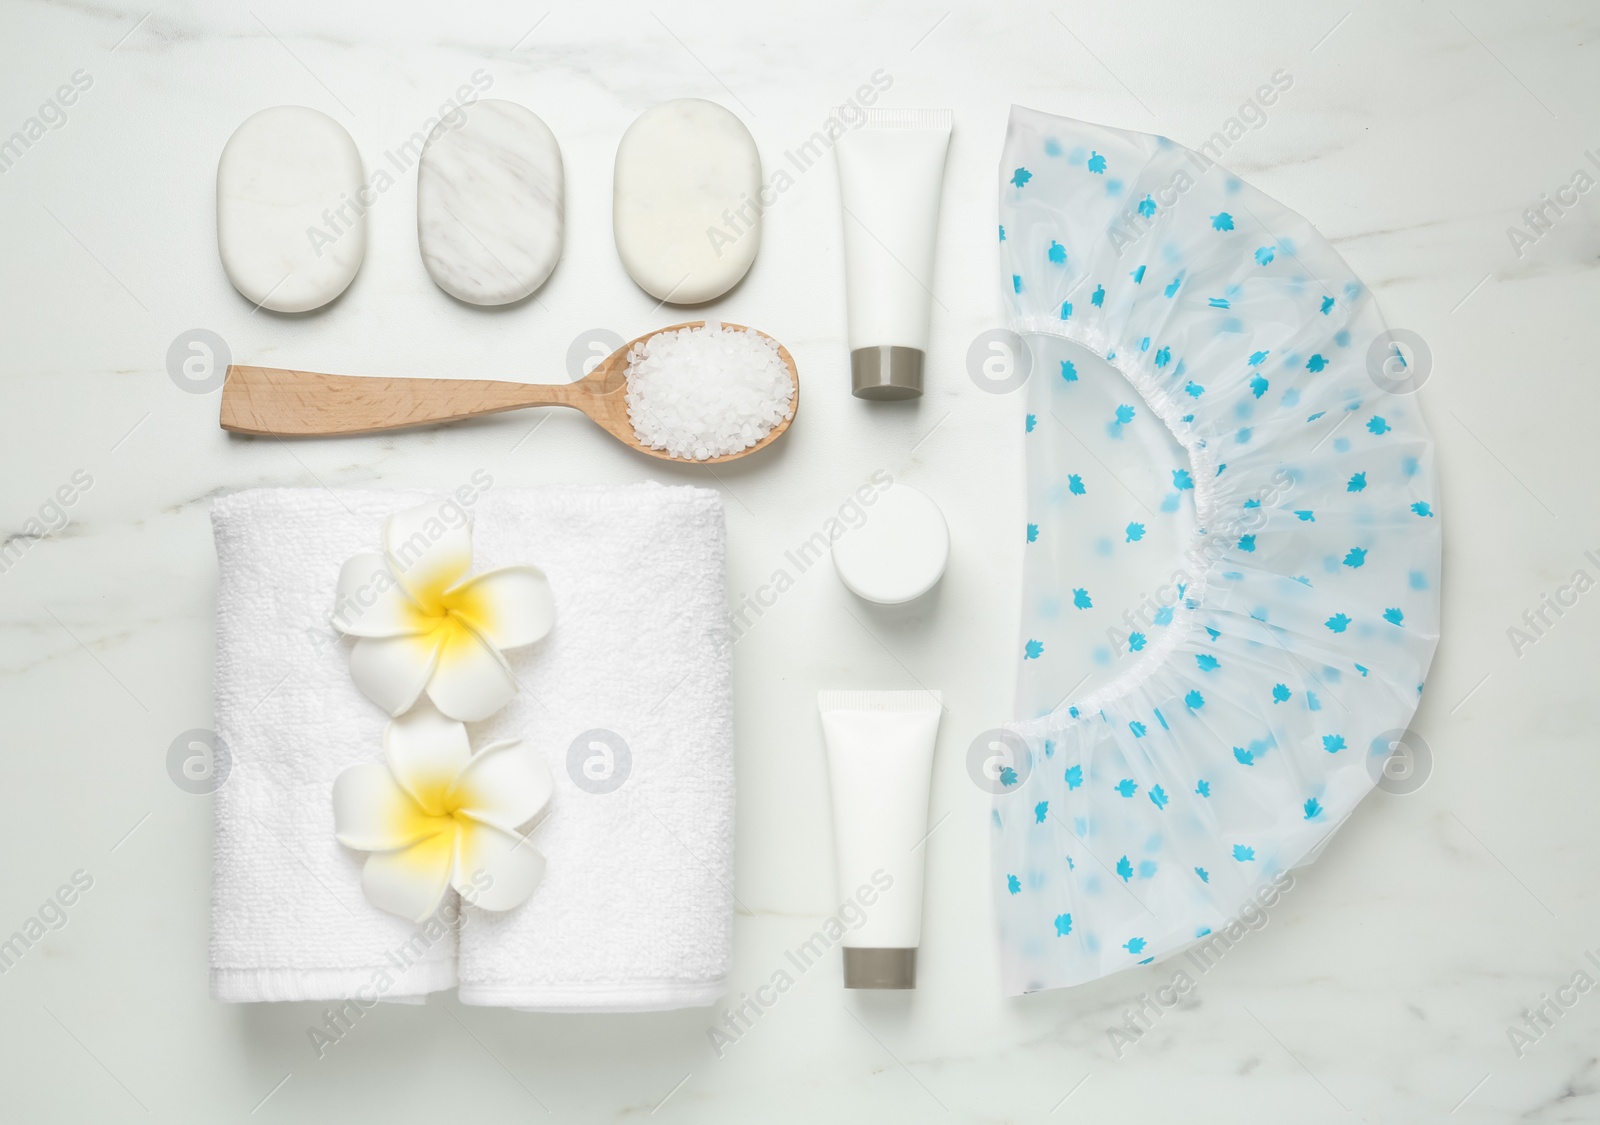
x=635, y=910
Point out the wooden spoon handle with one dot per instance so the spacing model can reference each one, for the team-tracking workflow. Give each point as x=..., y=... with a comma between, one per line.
x=273, y=400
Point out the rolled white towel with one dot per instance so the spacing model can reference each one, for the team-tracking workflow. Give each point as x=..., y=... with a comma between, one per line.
x=288, y=920
x=635, y=910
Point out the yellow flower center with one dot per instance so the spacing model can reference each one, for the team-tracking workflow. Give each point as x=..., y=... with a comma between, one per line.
x=448, y=617
x=440, y=805
x=427, y=822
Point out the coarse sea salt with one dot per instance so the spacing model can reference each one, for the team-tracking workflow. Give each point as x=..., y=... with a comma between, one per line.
x=706, y=392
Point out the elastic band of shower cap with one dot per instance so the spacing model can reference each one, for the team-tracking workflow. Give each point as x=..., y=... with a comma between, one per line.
x=1203, y=405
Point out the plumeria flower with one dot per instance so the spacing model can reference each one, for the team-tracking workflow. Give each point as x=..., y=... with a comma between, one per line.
x=423, y=626
x=435, y=816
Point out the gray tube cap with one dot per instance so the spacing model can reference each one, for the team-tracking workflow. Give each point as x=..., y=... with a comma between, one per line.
x=880, y=968
x=886, y=373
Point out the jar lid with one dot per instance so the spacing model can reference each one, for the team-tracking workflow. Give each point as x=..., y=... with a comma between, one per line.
x=899, y=553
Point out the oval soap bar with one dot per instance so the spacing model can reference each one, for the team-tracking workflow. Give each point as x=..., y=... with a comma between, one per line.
x=686, y=201
x=291, y=224
x=489, y=203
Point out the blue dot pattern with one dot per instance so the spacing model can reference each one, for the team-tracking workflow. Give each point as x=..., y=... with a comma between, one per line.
x=1245, y=720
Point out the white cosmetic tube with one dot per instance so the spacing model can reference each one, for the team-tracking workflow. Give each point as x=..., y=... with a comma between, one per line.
x=880, y=766
x=891, y=172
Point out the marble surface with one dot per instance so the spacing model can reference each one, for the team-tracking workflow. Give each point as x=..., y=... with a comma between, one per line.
x=291, y=213
x=1384, y=985
x=489, y=202
x=687, y=200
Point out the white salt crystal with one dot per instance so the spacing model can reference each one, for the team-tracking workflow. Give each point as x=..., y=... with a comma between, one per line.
x=706, y=392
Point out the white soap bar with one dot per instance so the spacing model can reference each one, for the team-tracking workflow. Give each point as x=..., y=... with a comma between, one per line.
x=489, y=203
x=686, y=201
x=291, y=223
x=899, y=552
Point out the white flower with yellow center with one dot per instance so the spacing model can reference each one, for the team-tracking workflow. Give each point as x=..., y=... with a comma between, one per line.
x=437, y=816
x=422, y=625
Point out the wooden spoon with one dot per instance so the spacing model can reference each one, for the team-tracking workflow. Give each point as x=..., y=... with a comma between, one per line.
x=283, y=403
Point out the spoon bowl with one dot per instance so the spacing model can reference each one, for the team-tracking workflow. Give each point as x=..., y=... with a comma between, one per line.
x=280, y=402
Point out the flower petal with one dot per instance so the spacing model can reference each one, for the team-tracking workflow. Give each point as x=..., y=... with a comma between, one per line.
x=411, y=882
x=496, y=870
x=426, y=751
x=504, y=785
x=510, y=607
x=392, y=671
x=372, y=812
x=470, y=681
x=369, y=602
x=429, y=549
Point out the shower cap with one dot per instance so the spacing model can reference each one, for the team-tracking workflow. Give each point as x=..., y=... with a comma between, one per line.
x=1214, y=400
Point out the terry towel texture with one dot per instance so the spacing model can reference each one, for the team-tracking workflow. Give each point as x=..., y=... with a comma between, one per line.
x=635, y=910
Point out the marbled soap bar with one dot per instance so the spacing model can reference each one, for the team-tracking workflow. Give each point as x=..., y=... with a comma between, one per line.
x=686, y=204
x=490, y=203
x=291, y=221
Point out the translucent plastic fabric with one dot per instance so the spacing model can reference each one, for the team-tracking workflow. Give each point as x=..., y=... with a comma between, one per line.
x=1202, y=409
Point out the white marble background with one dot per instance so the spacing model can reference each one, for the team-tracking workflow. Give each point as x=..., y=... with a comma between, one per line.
x=1382, y=987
